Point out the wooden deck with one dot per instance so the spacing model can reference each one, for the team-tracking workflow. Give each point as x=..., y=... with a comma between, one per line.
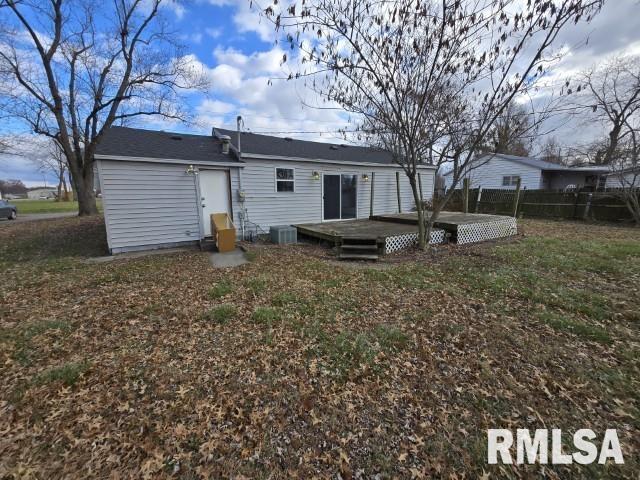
x=449, y=221
x=462, y=227
x=363, y=228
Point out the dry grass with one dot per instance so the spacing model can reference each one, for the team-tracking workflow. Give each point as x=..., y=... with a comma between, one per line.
x=295, y=366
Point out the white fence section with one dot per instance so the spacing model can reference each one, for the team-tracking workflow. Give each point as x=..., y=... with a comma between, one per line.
x=478, y=232
x=400, y=242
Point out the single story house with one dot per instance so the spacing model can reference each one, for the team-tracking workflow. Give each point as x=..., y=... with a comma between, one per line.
x=159, y=188
x=624, y=178
x=497, y=170
x=37, y=193
x=14, y=196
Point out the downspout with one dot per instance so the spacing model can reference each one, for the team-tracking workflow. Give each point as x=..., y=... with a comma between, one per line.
x=243, y=210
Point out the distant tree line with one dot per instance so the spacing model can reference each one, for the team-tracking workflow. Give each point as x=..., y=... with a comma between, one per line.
x=12, y=187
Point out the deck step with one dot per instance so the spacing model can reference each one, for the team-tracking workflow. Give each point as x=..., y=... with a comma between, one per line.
x=359, y=248
x=359, y=240
x=357, y=256
x=372, y=247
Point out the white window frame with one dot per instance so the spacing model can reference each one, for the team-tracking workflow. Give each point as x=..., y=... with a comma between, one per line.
x=513, y=180
x=275, y=177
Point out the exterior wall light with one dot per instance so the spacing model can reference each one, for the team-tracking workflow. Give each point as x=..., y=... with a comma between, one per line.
x=191, y=171
x=315, y=175
x=365, y=177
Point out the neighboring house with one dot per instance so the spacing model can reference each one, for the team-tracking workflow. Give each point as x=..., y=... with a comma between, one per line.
x=14, y=196
x=159, y=188
x=497, y=170
x=41, y=193
x=627, y=178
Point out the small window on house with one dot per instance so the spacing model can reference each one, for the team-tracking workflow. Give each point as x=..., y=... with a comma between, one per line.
x=510, y=180
x=284, y=180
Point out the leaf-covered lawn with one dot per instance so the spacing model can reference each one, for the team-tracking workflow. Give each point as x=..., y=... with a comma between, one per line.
x=298, y=366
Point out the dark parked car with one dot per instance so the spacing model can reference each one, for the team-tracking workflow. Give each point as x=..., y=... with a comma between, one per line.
x=7, y=210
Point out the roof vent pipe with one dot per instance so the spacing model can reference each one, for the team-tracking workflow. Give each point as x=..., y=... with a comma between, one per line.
x=239, y=123
x=226, y=140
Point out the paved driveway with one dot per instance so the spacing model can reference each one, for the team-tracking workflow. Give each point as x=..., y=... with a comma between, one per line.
x=29, y=217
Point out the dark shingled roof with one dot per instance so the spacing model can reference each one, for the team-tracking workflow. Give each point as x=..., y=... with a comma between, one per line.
x=288, y=147
x=544, y=165
x=136, y=142
x=538, y=163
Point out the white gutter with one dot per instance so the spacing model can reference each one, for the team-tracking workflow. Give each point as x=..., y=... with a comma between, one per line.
x=259, y=156
x=202, y=163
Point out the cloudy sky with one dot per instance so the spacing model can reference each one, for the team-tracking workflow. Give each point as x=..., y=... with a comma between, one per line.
x=237, y=49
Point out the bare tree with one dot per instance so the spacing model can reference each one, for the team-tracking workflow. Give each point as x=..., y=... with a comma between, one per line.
x=613, y=94
x=72, y=68
x=15, y=187
x=552, y=151
x=512, y=132
x=53, y=161
x=428, y=78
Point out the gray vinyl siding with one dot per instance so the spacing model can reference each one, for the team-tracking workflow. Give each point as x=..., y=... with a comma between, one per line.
x=153, y=205
x=560, y=180
x=620, y=180
x=490, y=173
x=148, y=204
x=266, y=207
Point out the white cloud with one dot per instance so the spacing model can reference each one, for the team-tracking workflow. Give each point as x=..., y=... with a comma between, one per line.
x=247, y=18
x=176, y=7
x=214, y=32
x=251, y=85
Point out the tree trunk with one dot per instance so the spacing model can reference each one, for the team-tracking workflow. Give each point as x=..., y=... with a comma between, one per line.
x=86, y=195
x=422, y=243
x=74, y=190
x=60, y=180
x=64, y=187
x=438, y=206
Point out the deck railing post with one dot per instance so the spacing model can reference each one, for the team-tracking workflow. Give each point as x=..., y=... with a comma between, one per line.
x=516, y=198
x=478, y=199
x=587, y=207
x=398, y=192
x=373, y=179
x=465, y=195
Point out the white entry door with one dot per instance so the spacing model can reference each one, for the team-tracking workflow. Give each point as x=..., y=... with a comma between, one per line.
x=214, y=190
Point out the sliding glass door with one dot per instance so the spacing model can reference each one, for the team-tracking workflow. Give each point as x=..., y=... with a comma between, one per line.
x=331, y=197
x=340, y=196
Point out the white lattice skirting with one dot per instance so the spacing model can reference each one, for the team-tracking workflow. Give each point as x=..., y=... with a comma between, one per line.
x=478, y=232
x=400, y=242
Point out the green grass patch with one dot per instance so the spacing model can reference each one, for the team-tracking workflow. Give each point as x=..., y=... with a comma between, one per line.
x=390, y=338
x=283, y=298
x=251, y=255
x=68, y=374
x=48, y=206
x=265, y=315
x=22, y=337
x=220, y=289
x=221, y=314
x=581, y=329
x=43, y=326
x=348, y=351
x=256, y=285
